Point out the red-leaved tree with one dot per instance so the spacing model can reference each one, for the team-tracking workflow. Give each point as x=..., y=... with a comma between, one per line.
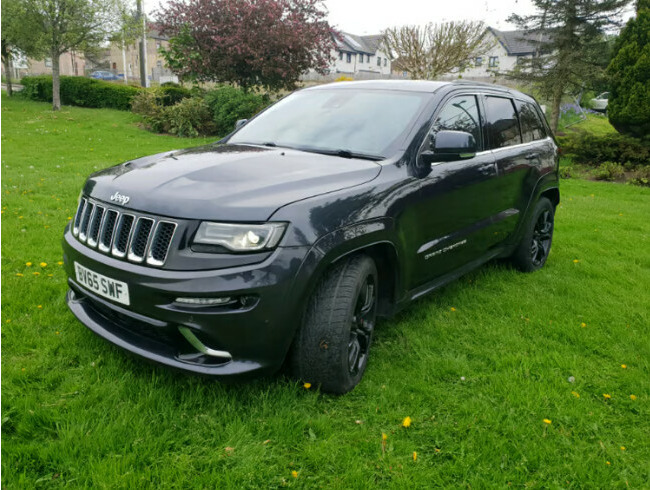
x=267, y=43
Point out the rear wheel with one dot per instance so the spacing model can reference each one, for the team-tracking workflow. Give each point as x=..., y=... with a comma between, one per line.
x=533, y=249
x=332, y=345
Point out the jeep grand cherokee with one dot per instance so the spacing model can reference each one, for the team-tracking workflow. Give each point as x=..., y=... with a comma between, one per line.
x=284, y=241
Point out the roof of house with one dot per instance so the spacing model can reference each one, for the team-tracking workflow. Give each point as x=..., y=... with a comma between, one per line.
x=520, y=42
x=357, y=44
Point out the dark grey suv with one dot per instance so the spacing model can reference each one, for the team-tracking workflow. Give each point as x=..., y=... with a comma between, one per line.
x=284, y=241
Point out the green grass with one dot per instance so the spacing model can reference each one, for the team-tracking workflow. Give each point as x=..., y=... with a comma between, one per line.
x=595, y=124
x=477, y=382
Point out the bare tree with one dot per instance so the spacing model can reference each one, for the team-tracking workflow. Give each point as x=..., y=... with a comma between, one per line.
x=428, y=51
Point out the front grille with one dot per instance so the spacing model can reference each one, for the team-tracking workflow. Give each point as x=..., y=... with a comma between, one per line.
x=138, y=239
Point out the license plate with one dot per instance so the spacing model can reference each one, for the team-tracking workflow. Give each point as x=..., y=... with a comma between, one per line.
x=102, y=285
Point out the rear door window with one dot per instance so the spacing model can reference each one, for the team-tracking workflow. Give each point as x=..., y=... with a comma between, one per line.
x=532, y=127
x=502, y=123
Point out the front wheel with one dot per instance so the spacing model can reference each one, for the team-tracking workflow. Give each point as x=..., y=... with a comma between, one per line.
x=332, y=345
x=533, y=249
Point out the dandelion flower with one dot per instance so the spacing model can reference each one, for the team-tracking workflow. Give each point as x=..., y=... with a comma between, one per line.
x=307, y=385
x=437, y=450
x=19, y=274
x=40, y=307
x=583, y=324
x=294, y=473
x=57, y=332
x=608, y=463
x=384, y=436
x=406, y=422
x=624, y=366
x=632, y=397
x=575, y=261
x=28, y=264
x=60, y=262
x=36, y=273
x=415, y=456
x=548, y=421
x=576, y=394
x=623, y=448
x=453, y=309
x=607, y=396
x=43, y=264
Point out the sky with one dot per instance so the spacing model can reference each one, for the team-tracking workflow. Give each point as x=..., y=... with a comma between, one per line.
x=372, y=16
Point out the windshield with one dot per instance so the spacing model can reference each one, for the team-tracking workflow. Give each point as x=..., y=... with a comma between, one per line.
x=357, y=122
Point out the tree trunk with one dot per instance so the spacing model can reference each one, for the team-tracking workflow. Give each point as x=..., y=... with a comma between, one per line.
x=56, y=83
x=7, y=63
x=555, y=109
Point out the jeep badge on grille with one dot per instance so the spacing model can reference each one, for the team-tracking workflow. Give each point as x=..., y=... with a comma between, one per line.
x=120, y=198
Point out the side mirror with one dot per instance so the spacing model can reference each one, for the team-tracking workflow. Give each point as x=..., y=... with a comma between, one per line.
x=240, y=123
x=450, y=146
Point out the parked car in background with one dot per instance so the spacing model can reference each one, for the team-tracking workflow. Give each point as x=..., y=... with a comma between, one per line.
x=600, y=103
x=104, y=75
x=287, y=239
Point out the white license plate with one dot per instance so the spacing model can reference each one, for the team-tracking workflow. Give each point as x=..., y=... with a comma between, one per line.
x=102, y=285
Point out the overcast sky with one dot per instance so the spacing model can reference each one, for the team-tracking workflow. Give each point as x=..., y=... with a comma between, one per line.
x=372, y=16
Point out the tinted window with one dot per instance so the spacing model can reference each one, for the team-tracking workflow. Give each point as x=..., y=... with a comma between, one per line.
x=531, y=125
x=502, y=123
x=361, y=121
x=460, y=114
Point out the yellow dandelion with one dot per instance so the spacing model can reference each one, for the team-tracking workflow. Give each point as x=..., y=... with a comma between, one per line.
x=60, y=262
x=69, y=218
x=607, y=396
x=437, y=450
x=307, y=385
x=28, y=264
x=43, y=264
x=632, y=397
x=583, y=324
x=294, y=473
x=548, y=421
x=608, y=463
x=576, y=394
x=22, y=369
x=415, y=456
x=406, y=422
x=40, y=307
x=36, y=273
x=57, y=332
x=623, y=448
x=624, y=366
x=384, y=436
x=575, y=261
x=8, y=320
x=19, y=274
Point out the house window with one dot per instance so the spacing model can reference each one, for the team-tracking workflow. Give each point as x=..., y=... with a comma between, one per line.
x=494, y=61
x=478, y=61
x=48, y=62
x=385, y=61
x=158, y=45
x=349, y=58
x=378, y=61
x=368, y=58
x=341, y=55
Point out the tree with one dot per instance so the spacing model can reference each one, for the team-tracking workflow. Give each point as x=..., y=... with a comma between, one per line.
x=629, y=75
x=58, y=26
x=266, y=43
x=428, y=51
x=571, y=37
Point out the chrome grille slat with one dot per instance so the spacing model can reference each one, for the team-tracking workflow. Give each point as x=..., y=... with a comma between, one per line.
x=140, y=239
x=95, y=225
x=77, y=217
x=85, y=221
x=106, y=235
x=133, y=237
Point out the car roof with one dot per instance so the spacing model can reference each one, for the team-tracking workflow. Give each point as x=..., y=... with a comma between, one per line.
x=418, y=86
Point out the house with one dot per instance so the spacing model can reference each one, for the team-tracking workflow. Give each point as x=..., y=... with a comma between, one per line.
x=359, y=54
x=508, y=49
x=70, y=63
x=126, y=62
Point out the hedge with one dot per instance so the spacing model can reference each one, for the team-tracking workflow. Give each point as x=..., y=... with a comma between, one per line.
x=83, y=92
x=228, y=104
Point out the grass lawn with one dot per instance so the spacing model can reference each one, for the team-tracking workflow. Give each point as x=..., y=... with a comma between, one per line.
x=531, y=380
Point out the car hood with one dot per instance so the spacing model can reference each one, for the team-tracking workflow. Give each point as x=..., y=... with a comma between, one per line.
x=226, y=182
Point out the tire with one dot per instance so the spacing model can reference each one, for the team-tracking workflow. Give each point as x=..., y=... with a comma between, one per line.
x=533, y=249
x=332, y=345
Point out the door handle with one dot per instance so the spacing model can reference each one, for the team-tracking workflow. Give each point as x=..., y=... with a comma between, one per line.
x=532, y=156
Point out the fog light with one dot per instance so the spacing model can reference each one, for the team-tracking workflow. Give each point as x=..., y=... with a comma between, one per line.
x=204, y=301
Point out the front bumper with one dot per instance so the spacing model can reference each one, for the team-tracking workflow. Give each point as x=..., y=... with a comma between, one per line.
x=255, y=333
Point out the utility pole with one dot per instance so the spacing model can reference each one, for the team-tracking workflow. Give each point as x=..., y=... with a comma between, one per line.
x=143, y=44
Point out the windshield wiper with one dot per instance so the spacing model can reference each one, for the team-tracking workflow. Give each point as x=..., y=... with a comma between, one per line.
x=343, y=154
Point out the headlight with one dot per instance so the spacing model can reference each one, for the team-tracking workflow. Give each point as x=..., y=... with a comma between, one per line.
x=240, y=238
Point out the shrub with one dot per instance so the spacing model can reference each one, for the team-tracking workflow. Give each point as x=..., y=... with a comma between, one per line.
x=83, y=92
x=595, y=150
x=173, y=93
x=191, y=117
x=629, y=73
x=641, y=177
x=609, y=171
x=229, y=104
x=148, y=103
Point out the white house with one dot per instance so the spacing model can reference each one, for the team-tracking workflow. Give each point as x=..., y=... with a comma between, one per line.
x=355, y=55
x=509, y=47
